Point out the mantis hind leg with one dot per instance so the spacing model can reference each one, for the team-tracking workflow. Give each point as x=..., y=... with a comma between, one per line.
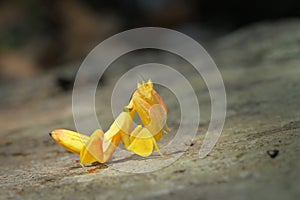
x=100, y=146
x=156, y=147
x=142, y=142
x=92, y=150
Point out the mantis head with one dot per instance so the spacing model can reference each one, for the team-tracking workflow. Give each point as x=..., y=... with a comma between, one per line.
x=145, y=89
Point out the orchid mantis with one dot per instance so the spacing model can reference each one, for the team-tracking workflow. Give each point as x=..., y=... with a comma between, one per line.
x=141, y=140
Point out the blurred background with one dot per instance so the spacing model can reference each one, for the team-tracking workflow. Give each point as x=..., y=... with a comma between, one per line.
x=36, y=36
x=42, y=43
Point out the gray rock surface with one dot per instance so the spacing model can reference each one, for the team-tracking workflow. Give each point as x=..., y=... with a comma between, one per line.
x=260, y=65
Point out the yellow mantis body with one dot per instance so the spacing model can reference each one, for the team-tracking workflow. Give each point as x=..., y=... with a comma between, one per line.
x=99, y=147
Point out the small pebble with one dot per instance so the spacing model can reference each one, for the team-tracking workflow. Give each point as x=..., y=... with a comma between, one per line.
x=273, y=153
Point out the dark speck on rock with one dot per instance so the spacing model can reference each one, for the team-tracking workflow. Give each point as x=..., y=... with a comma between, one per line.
x=273, y=153
x=180, y=171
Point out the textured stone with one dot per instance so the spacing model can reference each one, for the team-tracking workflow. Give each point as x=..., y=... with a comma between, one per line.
x=260, y=68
